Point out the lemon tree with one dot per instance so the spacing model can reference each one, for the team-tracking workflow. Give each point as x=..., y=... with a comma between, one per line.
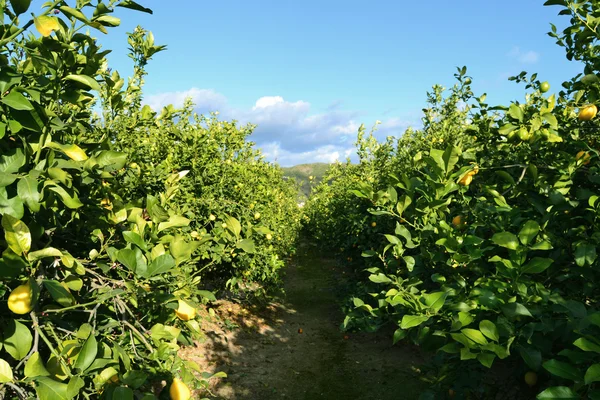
x=484, y=247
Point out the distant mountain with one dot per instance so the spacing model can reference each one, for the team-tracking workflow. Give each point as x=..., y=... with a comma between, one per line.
x=301, y=174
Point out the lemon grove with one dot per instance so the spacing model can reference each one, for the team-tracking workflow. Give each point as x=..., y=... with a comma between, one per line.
x=479, y=232
x=107, y=248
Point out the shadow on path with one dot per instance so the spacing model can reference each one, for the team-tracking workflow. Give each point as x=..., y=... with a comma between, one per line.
x=294, y=349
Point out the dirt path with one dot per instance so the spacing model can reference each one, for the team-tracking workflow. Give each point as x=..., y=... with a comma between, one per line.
x=294, y=349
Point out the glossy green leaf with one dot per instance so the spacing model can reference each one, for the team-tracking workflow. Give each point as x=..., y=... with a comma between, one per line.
x=558, y=393
x=59, y=293
x=489, y=329
x=35, y=367
x=17, y=339
x=16, y=234
x=87, y=354
x=529, y=232
x=562, y=369
x=506, y=239
x=16, y=100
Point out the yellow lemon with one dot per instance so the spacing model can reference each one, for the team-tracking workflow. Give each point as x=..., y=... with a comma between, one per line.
x=531, y=378
x=374, y=224
x=19, y=300
x=458, y=221
x=185, y=312
x=588, y=112
x=466, y=180
x=179, y=390
x=586, y=157
x=257, y=215
x=269, y=236
x=212, y=217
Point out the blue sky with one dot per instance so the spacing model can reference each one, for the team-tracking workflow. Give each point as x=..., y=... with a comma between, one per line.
x=310, y=72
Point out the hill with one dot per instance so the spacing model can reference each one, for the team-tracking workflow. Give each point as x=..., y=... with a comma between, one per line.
x=301, y=174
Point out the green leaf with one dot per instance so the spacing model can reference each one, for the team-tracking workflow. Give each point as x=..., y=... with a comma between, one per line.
x=34, y=366
x=592, y=374
x=108, y=20
x=233, y=225
x=486, y=359
x=410, y=321
x=587, y=345
x=27, y=190
x=49, y=389
x=558, y=393
x=87, y=354
x=134, y=238
x=529, y=232
x=44, y=253
x=59, y=293
x=74, y=387
x=6, y=374
x=399, y=334
x=532, y=357
x=72, y=12
x=72, y=202
x=175, y=221
x=489, y=329
x=11, y=206
x=160, y=264
x=20, y=6
x=11, y=161
x=512, y=310
x=474, y=335
x=536, y=265
x=17, y=101
x=85, y=80
x=506, y=239
x=207, y=295
x=516, y=112
x=585, y=254
x=562, y=369
x=247, y=245
x=134, y=260
x=17, y=339
x=17, y=234
x=134, y=6
x=123, y=393
x=435, y=301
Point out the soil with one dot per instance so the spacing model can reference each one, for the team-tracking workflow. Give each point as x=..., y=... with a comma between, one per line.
x=293, y=347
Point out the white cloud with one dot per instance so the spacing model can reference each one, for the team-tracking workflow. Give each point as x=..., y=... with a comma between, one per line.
x=524, y=57
x=206, y=100
x=286, y=130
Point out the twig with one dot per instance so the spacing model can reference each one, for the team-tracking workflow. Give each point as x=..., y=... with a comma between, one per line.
x=519, y=181
x=17, y=389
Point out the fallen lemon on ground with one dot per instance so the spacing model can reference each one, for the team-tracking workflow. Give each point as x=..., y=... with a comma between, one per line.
x=531, y=378
x=179, y=390
x=588, y=113
x=185, y=312
x=19, y=300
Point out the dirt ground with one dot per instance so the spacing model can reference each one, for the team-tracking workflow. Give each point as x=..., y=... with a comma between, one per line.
x=293, y=348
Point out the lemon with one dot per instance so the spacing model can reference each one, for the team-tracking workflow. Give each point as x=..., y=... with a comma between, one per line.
x=185, y=312
x=19, y=300
x=179, y=390
x=466, y=180
x=257, y=215
x=585, y=155
x=458, y=221
x=544, y=87
x=269, y=236
x=588, y=112
x=374, y=224
x=531, y=378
